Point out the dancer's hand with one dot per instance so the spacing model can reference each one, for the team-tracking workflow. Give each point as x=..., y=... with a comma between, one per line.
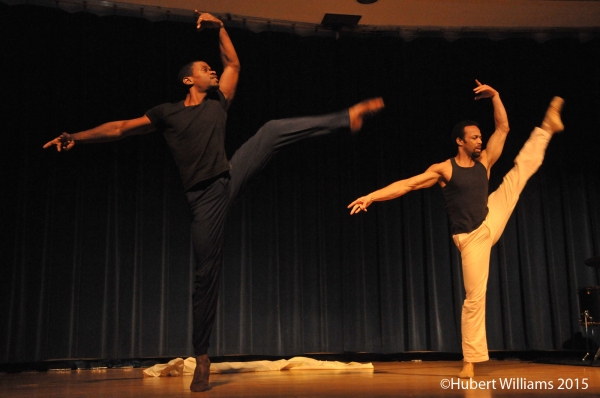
x=483, y=91
x=360, y=204
x=206, y=20
x=63, y=142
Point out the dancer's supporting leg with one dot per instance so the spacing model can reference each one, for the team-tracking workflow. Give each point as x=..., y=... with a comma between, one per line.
x=208, y=204
x=476, y=247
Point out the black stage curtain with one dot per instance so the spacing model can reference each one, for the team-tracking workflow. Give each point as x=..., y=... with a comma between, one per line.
x=95, y=245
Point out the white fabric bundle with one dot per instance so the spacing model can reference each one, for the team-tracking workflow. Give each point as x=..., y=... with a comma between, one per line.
x=179, y=367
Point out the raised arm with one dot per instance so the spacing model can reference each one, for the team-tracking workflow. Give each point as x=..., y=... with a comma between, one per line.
x=110, y=131
x=231, y=63
x=496, y=142
x=425, y=180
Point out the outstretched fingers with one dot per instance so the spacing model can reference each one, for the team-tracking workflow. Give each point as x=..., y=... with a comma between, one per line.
x=357, y=206
x=55, y=142
x=49, y=144
x=483, y=91
x=63, y=143
x=357, y=209
x=199, y=21
x=209, y=20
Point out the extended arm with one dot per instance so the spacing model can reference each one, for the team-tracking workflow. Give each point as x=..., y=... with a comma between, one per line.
x=399, y=188
x=498, y=138
x=110, y=131
x=231, y=63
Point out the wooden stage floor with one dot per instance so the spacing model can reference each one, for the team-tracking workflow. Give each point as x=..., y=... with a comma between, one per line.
x=388, y=379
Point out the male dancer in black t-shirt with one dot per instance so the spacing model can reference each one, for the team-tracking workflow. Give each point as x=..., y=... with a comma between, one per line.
x=477, y=220
x=195, y=129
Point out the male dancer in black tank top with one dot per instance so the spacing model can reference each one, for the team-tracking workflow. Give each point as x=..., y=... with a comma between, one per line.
x=194, y=130
x=477, y=220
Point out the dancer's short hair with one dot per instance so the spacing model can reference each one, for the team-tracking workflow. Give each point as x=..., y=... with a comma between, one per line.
x=459, y=129
x=186, y=70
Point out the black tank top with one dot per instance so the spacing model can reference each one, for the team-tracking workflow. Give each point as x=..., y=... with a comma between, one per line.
x=466, y=197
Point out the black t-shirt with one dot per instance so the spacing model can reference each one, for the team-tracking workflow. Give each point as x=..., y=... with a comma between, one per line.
x=196, y=136
x=466, y=197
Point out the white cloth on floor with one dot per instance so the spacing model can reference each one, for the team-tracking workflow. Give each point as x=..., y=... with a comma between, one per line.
x=179, y=367
x=174, y=367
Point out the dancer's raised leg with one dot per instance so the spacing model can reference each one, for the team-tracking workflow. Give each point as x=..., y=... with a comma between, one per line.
x=275, y=135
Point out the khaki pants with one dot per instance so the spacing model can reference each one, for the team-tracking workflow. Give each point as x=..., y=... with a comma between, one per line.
x=475, y=246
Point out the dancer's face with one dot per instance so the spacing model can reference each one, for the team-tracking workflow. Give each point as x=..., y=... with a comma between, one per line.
x=472, y=143
x=203, y=77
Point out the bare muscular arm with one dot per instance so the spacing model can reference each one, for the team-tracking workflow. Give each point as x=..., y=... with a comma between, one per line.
x=496, y=142
x=432, y=175
x=110, y=131
x=231, y=63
